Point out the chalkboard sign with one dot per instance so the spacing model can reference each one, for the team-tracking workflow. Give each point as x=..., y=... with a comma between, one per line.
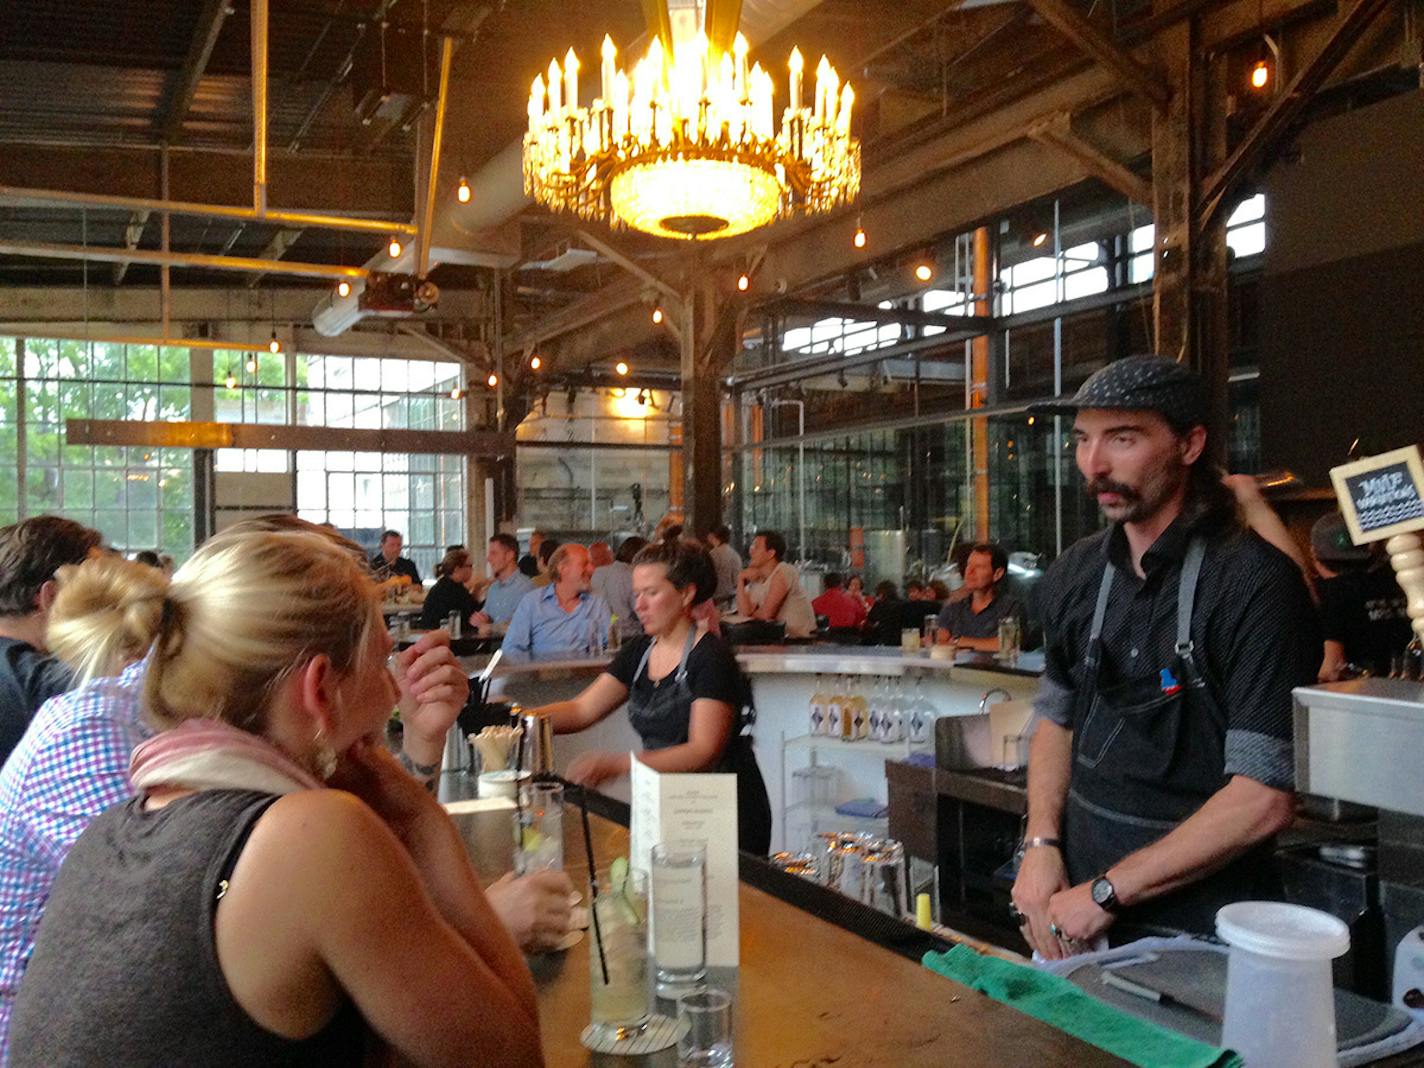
x=1381, y=496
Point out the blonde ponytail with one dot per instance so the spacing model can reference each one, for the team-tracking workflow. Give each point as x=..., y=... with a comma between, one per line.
x=250, y=607
x=105, y=616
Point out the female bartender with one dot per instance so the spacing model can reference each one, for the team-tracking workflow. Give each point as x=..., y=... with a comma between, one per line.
x=684, y=690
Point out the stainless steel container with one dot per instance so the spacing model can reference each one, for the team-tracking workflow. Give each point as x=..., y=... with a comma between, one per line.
x=538, y=744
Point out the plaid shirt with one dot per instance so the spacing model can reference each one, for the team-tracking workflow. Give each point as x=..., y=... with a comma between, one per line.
x=72, y=764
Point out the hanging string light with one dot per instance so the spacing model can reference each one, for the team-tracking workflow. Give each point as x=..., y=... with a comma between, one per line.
x=463, y=192
x=343, y=288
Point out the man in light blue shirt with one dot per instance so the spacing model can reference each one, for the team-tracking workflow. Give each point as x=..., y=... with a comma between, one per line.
x=509, y=584
x=562, y=617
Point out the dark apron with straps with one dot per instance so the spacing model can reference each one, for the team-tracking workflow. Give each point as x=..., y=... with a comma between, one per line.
x=1147, y=753
x=662, y=719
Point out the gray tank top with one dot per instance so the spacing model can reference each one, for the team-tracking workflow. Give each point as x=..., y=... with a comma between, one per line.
x=125, y=970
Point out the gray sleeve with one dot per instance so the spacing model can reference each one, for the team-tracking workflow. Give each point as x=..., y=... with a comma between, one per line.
x=1267, y=759
x=1054, y=701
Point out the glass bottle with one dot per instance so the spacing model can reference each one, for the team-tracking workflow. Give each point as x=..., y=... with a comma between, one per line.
x=922, y=717
x=859, y=713
x=835, y=711
x=892, y=717
x=817, y=708
x=876, y=710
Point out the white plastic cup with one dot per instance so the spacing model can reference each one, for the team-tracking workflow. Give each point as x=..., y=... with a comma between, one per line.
x=1280, y=998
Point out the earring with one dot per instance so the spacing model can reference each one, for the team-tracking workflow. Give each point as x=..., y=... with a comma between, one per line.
x=325, y=756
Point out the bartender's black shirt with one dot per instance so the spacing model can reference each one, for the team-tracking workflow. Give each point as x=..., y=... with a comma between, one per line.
x=1254, y=628
x=712, y=674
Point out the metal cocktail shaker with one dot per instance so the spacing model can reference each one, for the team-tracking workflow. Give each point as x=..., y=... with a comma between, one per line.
x=538, y=744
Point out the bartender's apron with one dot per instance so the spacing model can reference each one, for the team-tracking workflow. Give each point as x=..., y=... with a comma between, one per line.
x=1145, y=757
x=662, y=719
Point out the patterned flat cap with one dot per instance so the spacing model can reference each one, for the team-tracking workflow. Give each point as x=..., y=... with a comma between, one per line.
x=1139, y=383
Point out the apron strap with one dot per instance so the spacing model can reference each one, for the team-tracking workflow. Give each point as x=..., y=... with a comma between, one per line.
x=1100, y=612
x=1187, y=595
x=681, y=674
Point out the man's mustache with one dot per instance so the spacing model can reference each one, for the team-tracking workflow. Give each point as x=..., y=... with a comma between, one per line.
x=1107, y=485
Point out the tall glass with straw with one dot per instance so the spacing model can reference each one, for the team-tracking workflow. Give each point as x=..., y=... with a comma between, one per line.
x=620, y=999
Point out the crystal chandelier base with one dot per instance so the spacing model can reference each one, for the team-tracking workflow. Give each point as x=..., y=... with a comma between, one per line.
x=680, y=197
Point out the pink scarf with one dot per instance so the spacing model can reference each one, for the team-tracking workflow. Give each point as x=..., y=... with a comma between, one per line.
x=207, y=754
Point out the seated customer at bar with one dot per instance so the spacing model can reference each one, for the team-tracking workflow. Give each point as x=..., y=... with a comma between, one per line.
x=74, y=761
x=770, y=589
x=973, y=621
x=562, y=618
x=613, y=581
x=449, y=593
x=684, y=690
x=507, y=586
x=31, y=551
x=842, y=611
x=214, y=918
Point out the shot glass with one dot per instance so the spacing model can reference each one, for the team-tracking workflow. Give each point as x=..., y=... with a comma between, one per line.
x=620, y=1001
x=679, y=884
x=708, y=1041
x=539, y=828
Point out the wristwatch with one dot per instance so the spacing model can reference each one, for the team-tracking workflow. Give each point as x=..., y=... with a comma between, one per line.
x=1104, y=896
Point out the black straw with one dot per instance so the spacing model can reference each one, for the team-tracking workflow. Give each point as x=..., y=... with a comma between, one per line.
x=592, y=881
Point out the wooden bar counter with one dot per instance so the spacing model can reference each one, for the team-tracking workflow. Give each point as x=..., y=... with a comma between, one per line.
x=809, y=993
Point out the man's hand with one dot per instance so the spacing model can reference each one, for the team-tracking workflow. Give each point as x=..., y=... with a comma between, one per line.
x=433, y=691
x=1079, y=918
x=1041, y=876
x=593, y=769
x=480, y=618
x=534, y=908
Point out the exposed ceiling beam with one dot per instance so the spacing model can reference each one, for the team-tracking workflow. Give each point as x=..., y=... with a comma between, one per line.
x=1074, y=25
x=203, y=435
x=1281, y=115
x=133, y=233
x=47, y=251
x=580, y=313
x=837, y=309
x=1058, y=133
x=334, y=185
x=632, y=266
x=185, y=83
x=281, y=242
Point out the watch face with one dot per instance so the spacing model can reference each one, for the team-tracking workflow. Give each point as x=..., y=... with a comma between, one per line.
x=1103, y=895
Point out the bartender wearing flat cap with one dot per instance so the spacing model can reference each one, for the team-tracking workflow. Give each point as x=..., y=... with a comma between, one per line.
x=1161, y=767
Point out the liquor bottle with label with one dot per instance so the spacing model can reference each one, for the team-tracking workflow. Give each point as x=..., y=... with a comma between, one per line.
x=835, y=711
x=876, y=709
x=892, y=717
x=817, y=709
x=859, y=713
x=922, y=717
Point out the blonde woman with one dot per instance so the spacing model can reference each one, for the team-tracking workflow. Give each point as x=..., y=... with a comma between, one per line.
x=237, y=911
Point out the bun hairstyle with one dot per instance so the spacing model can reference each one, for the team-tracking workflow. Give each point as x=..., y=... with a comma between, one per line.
x=105, y=615
x=250, y=608
x=687, y=565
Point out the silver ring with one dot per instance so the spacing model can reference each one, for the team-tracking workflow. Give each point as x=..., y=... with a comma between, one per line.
x=1054, y=931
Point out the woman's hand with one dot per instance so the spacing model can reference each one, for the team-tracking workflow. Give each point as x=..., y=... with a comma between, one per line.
x=433, y=691
x=595, y=768
x=369, y=771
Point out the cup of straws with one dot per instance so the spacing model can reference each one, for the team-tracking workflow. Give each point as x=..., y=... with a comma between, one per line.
x=499, y=775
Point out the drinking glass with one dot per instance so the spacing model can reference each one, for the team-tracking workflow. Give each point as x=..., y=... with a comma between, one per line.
x=679, y=882
x=929, y=626
x=882, y=878
x=539, y=828
x=452, y=624
x=620, y=1002
x=708, y=1042
x=910, y=640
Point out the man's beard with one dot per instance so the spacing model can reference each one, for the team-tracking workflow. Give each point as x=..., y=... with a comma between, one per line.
x=1136, y=503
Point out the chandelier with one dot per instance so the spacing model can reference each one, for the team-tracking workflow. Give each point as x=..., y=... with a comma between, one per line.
x=686, y=146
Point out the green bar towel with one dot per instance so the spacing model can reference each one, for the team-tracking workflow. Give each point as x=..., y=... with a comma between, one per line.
x=1058, y=1002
